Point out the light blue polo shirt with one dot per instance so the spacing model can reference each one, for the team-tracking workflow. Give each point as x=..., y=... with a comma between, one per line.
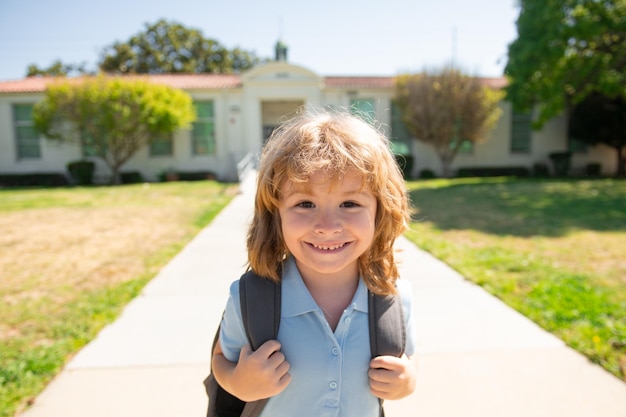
x=328, y=370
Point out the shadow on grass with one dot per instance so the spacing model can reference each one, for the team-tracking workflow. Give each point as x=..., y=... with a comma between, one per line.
x=522, y=207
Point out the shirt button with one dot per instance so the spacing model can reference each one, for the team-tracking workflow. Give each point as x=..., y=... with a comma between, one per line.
x=347, y=319
x=332, y=385
x=335, y=351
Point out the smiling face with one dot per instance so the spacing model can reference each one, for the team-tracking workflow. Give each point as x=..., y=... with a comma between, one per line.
x=326, y=226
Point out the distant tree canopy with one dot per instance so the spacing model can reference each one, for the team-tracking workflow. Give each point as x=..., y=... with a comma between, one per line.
x=58, y=69
x=164, y=47
x=565, y=51
x=446, y=109
x=112, y=118
x=169, y=47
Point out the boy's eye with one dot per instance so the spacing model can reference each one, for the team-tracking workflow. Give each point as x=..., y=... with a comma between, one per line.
x=305, y=204
x=349, y=204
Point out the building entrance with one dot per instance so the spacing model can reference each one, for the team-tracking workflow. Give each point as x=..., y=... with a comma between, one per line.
x=273, y=113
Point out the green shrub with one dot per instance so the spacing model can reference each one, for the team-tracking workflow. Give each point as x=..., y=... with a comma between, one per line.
x=427, y=174
x=405, y=162
x=541, y=170
x=593, y=169
x=561, y=162
x=132, y=177
x=33, y=180
x=493, y=172
x=82, y=172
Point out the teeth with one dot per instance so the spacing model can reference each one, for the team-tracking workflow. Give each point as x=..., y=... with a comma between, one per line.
x=328, y=247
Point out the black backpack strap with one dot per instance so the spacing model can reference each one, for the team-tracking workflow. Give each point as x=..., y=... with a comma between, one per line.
x=386, y=322
x=260, y=300
x=260, y=308
x=387, y=329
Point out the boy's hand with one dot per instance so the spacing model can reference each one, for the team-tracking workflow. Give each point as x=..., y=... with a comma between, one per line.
x=392, y=378
x=260, y=374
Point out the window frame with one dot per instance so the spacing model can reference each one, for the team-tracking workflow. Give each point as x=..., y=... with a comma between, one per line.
x=365, y=108
x=198, y=140
x=400, y=136
x=520, y=141
x=162, y=146
x=24, y=143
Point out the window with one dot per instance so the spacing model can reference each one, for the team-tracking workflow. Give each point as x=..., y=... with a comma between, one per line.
x=88, y=145
x=203, y=132
x=400, y=136
x=521, y=132
x=467, y=147
x=162, y=146
x=364, y=108
x=26, y=136
x=575, y=145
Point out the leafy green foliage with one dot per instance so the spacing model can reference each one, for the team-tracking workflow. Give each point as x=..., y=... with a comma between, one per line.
x=112, y=118
x=58, y=69
x=565, y=50
x=169, y=47
x=446, y=109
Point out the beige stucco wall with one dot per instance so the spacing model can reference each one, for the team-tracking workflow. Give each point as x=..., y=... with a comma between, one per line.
x=54, y=155
x=239, y=130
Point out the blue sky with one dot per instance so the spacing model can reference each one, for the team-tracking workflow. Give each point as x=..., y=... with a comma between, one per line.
x=329, y=37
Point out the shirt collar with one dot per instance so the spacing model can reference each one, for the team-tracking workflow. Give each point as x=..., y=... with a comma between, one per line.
x=296, y=298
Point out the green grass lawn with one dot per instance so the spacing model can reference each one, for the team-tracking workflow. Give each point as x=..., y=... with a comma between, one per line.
x=555, y=250
x=71, y=258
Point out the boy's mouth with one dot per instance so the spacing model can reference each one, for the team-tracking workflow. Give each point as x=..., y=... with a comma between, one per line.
x=328, y=247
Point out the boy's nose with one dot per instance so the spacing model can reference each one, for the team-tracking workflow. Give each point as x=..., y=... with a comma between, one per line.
x=326, y=222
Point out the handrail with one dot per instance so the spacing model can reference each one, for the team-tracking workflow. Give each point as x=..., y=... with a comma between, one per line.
x=245, y=165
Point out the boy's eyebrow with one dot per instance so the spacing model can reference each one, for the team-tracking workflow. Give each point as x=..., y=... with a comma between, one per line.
x=301, y=190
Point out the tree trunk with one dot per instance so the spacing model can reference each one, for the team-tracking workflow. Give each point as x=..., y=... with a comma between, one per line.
x=446, y=162
x=116, y=178
x=621, y=162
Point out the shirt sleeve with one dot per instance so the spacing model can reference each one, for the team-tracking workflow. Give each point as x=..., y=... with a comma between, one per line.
x=232, y=333
x=406, y=295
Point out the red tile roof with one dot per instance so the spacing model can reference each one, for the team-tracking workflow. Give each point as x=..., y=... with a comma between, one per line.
x=216, y=81
x=388, y=82
x=182, y=81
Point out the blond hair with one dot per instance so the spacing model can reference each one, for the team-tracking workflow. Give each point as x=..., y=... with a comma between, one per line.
x=335, y=143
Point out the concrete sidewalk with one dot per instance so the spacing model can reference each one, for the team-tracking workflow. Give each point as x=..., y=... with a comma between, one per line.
x=477, y=357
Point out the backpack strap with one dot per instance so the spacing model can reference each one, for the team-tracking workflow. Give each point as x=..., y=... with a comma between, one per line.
x=386, y=322
x=260, y=300
x=387, y=329
x=260, y=310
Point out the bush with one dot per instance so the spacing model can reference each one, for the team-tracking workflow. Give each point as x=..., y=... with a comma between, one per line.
x=593, y=169
x=493, y=172
x=405, y=162
x=561, y=162
x=541, y=170
x=427, y=174
x=196, y=176
x=132, y=177
x=33, y=180
x=82, y=172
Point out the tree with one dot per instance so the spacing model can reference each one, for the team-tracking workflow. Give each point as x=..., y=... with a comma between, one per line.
x=600, y=119
x=169, y=47
x=112, y=118
x=565, y=50
x=58, y=69
x=446, y=109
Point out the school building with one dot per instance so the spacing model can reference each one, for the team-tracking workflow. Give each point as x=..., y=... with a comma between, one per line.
x=237, y=112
